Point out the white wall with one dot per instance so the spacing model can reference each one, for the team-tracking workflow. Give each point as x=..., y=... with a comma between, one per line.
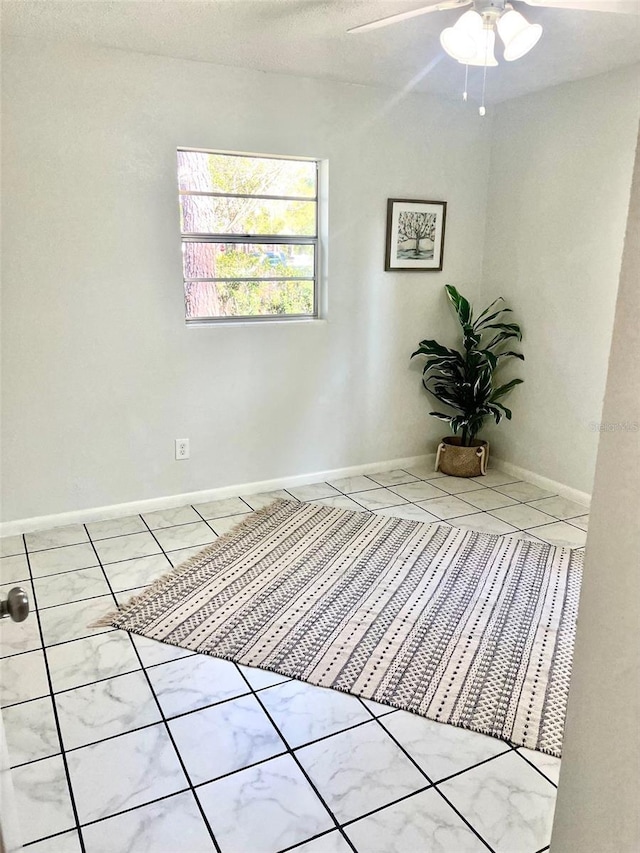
x=599, y=793
x=100, y=374
x=561, y=170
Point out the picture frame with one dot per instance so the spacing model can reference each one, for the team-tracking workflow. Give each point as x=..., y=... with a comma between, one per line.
x=415, y=235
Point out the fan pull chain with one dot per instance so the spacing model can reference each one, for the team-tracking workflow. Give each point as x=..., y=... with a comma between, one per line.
x=465, y=94
x=482, y=110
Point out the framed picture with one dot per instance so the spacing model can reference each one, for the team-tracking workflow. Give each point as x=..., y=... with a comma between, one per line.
x=415, y=235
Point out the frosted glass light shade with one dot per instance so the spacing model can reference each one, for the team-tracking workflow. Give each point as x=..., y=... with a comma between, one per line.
x=459, y=41
x=518, y=35
x=485, y=42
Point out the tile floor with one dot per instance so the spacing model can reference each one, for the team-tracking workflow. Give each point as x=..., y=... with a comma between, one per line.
x=119, y=743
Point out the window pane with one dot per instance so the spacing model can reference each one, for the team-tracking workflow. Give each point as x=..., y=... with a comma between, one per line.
x=230, y=173
x=247, y=260
x=247, y=298
x=250, y=216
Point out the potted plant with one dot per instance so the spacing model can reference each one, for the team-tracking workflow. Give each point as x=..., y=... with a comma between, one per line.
x=465, y=381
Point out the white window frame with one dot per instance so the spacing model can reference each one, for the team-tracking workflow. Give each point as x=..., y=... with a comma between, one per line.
x=262, y=239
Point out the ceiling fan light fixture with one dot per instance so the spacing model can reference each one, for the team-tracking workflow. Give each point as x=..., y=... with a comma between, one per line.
x=484, y=50
x=459, y=41
x=518, y=35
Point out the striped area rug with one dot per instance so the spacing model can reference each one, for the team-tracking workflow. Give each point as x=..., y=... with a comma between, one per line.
x=466, y=628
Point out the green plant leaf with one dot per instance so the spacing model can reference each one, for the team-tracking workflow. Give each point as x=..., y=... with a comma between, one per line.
x=488, y=308
x=485, y=323
x=510, y=354
x=504, y=389
x=462, y=306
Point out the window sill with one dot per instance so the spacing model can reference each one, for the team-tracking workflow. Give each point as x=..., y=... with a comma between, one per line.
x=296, y=321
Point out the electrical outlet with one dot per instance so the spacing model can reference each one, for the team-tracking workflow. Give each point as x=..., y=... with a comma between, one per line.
x=182, y=448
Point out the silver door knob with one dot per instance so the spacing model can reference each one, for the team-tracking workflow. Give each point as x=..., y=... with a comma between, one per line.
x=16, y=606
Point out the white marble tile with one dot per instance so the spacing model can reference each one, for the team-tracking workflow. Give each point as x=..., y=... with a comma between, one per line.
x=142, y=571
x=445, y=507
x=339, y=502
x=225, y=738
x=23, y=677
x=42, y=798
x=348, y=485
x=418, y=491
x=493, y=478
x=113, y=527
x=424, y=472
x=378, y=709
x=330, y=842
x=222, y=508
x=31, y=731
x=266, y=808
x=70, y=586
x=359, y=770
x=522, y=516
x=460, y=485
x=558, y=507
x=313, y=491
x=152, y=652
x=263, y=499
x=547, y=764
x=125, y=597
x=261, y=678
x=127, y=547
x=423, y=822
x=91, y=659
x=185, y=536
x=14, y=569
x=124, y=772
x=563, y=534
x=393, y=478
x=182, y=555
x=66, y=842
x=105, y=709
x=170, y=517
x=224, y=525
x=378, y=499
x=304, y=712
x=18, y=637
x=10, y=545
x=509, y=803
x=483, y=522
x=485, y=499
x=582, y=521
x=65, y=559
x=194, y=682
x=522, y=491
x=411, y=512
x=440, y=749
x=56, y=537
x=173, y=825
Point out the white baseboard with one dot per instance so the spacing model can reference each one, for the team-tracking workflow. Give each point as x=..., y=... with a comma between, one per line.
x=544, y=482
x=83, y=516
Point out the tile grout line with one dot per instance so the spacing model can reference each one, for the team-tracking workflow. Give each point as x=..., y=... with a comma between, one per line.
x=431, y=783
x=157, y=701
x=295, y=758
x=65, y=764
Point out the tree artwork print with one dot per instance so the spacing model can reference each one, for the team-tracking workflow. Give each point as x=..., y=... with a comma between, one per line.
x=415, y=235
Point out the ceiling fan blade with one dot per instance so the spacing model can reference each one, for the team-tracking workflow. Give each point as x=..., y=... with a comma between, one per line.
x=625, y=7
x=414, y=13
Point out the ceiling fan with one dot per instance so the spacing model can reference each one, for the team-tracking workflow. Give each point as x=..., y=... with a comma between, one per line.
x=471, y=40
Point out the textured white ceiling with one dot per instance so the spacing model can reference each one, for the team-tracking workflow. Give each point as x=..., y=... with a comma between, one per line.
x=308, y=37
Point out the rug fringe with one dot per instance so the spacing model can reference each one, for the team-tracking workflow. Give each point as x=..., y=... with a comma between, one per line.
x=115, y=617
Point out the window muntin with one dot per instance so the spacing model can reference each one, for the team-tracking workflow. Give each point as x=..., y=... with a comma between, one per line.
x=249, y=229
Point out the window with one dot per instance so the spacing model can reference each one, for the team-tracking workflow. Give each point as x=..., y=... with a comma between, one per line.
x=249, y=230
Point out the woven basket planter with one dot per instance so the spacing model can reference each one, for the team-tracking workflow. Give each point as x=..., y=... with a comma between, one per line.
x=458, y=461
